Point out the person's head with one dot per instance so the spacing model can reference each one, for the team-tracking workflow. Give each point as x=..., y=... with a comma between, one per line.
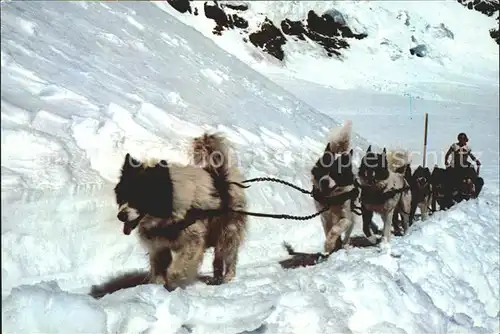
x=462, y=138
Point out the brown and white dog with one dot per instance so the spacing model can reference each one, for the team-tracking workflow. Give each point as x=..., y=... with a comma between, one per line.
x=384, y=192
x=421, y=192
x=333, y=187
x=168, y=202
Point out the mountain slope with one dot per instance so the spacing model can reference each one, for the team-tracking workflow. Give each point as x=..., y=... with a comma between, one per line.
x=383, y=60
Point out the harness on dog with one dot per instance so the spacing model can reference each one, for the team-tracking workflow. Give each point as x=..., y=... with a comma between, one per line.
x=326, y=201
x=172, y=231
x=418, y=192
x=370, y=196
x=339, y=199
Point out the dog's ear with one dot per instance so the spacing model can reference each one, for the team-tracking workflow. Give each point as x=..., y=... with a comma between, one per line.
x=327, y=148
x=384, y=154
x=351, y=152
x=126, y=161
x=369, y=149
x=130, y=162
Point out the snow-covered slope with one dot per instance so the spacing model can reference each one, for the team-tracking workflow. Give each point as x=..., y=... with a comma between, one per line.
x=85, y=82
x=459, y=48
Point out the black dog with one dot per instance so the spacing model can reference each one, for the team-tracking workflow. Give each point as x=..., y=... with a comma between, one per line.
x=467, y=184
x=442, y=188
x=420, y=183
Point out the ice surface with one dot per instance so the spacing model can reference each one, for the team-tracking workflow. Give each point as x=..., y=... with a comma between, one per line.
x=85, y=82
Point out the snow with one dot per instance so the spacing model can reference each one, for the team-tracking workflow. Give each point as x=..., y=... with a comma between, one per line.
x=380, y=62
x=82, y=88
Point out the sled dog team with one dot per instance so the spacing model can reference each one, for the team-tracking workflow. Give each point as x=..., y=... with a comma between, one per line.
x=181, y=210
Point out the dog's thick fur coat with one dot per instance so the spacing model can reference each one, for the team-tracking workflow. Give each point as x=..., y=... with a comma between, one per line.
x=168, y=203
x=383, y=191
x=420, y=184
x=333, y=179
x=442, y=188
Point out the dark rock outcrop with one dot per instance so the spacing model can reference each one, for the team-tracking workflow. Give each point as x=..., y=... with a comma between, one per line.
x=487, y=7
x=182, y=6
x=494, y=33
x=419, y=50
x=270, y=39
x=223, y=20
x=236, y=6
x=324, y=30
x=328, y=30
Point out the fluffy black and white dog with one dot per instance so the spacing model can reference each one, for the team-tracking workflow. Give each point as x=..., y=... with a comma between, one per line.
x=384, y=192
x=333, y=187
x=168, y=203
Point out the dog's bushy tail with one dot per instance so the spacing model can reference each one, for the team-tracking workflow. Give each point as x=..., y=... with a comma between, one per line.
x=339, y=139
x=122, y=281
x=211, y=151
x=398, y=160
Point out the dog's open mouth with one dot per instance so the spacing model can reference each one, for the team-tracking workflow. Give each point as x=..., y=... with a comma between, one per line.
x=128, y=227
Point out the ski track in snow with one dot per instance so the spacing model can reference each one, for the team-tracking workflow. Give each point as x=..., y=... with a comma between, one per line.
x=130, y=78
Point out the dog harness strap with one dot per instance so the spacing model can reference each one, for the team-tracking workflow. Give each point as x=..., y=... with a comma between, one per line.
x=367, y=195
x=278, y=216
x=271, y=179
x=336, y=200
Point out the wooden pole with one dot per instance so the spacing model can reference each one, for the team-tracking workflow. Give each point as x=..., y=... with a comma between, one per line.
x=425, y=138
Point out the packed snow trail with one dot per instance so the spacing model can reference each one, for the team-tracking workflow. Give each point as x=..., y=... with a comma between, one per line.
x=81, y=89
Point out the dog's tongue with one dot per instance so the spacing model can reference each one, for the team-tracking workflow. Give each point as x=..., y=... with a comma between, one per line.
x=127, y=229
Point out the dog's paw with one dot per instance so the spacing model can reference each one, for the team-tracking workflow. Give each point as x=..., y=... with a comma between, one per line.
x=347, y=246
x=210, y=280
x=157, y=279
x=373, y=239
x=384, y=245
x=399, y=233
x=214, y=281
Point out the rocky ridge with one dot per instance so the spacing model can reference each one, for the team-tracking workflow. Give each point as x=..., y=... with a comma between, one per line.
x=331, y=33
x=328, y=30
x=488, y=8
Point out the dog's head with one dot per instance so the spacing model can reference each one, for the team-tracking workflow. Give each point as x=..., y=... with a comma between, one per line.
x=467, y=189
x=421, y=177
x=466, y=178
x=374, y=168
x=332, y=171
x=441, y=181
x=144, y=188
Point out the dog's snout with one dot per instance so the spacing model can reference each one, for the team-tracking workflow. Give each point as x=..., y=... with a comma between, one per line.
x=325, y=183
x=122, y=216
